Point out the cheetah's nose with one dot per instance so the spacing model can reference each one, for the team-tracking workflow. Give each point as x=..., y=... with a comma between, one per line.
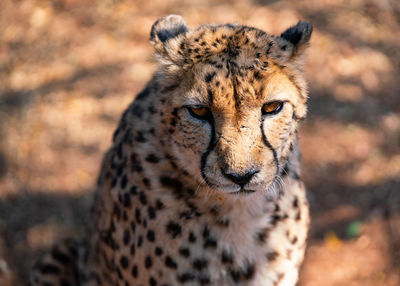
x=240, y=179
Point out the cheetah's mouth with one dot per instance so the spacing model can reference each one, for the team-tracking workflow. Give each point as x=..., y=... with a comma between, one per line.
x=243, y=191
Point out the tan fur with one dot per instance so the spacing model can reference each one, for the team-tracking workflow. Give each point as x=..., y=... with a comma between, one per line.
x=168, y=176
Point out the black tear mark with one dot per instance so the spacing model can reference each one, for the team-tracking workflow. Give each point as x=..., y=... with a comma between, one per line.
x=210, y=147
x=268, y=144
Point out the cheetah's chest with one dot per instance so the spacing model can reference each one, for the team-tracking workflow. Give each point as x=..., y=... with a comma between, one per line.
x=177, y=243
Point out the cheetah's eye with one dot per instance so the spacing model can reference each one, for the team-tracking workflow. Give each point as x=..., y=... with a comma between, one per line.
x=199, y=112
x=272, y=107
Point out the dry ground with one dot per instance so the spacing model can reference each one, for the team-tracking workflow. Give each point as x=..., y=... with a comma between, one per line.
x=69, y=67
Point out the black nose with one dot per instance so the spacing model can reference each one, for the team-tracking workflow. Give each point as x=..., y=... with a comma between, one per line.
x=240, y=179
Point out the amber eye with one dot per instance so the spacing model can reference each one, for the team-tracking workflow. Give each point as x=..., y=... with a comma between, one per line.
x=272, y=107
x=199, y=112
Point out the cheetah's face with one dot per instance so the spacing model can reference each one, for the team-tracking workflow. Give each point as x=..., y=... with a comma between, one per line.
x=232, y=112
x=232, y=134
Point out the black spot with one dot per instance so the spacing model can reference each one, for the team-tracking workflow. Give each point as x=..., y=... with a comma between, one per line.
x=210, y=242
x=148, y=262
x=275, y=219
x=126, y=200
x=214, y=210
x=175, y=112
x=151, y=158
x=173, y=122
x=133, y=190
x=151, y=212
x=280, y=277
x=262, y=235
x=143, y=94
x=210, y=95
x=269, y=46
x=235, y=275
x=119, y=150
x=112, y=226
x=133, y=226
x=175, y=184
x=248, y=271
x=140, y=241
x=49, y=269
x=134, y=271
x=133, y=249
x=296, y=202
x=119, y=273
x=135, y=164
x=65, y=283
x=113, y=182
x=127, y=236
x=169, y=262
x=206, y=232
x=124, y=262
x=184, y=251
x=140, y=137
x=223, y=222
x=152, y=110
x=186, y=276
x=159, y=205
x=209, y=77
x=158, y=251
x=294, y=240
x=185, y=214
x=151, y=236
x=60, y=257
x=200, y=263
x=226, y=257
x=271, y=256
x=192, y=237
x=174, y=229
x=137, y=111
x=298, y=216
x=257, y=75
x=146, y=182
x=152, y=281
x=142, y=198
x=138, y=216
x=125, y=215
x=204, y=279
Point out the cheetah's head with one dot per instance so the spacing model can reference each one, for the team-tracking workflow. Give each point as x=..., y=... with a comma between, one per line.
x=233, y=96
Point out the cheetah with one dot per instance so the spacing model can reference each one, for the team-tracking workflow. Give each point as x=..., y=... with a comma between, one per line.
x=202, y=183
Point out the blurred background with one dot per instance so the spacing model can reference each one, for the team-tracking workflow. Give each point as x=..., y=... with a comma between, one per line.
x=68, y=68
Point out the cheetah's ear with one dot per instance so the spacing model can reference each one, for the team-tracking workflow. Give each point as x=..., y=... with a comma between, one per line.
x=166, y=35
x=299, y=36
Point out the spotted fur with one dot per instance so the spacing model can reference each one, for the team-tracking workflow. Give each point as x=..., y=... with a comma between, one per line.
x=215, y=199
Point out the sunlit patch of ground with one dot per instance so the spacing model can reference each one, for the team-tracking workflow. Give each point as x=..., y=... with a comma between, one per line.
x=69, y=68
